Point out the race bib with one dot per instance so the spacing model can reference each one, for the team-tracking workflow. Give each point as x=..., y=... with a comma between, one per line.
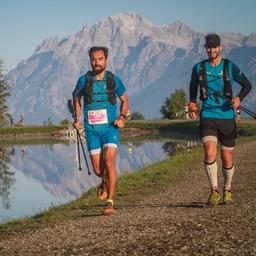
x=98, y=116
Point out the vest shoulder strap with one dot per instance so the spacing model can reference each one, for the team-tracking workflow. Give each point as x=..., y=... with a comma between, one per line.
x=111, y=87
x=203, y=83
x=225, y=69
x=228, y=93
x=88, y=87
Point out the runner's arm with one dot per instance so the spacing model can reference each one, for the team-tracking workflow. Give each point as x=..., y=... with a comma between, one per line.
x=124, y=105
x=193, y=85
x=120, y=121
x=77, y=94
x=241, y=79
x=122, y=95
x=77, y=107
x=193, y=89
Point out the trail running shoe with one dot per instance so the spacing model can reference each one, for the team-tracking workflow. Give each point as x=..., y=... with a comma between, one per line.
x=109, y=208
x=102, y=193
x=227, y=197
x=214, y=198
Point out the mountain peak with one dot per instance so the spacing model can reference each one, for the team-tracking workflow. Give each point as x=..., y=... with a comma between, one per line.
x=178, y=26
x=131, y=15
x=129, y=19
x=47, y=44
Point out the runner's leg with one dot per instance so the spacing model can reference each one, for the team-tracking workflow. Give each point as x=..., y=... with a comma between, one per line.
x=227, y=137
x=227, y=167
x=210, y=150
x=111, y=170
x=93, y=140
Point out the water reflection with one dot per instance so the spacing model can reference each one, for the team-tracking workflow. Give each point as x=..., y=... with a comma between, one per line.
x=34, y=177
x=7, y=177
x=171, y=147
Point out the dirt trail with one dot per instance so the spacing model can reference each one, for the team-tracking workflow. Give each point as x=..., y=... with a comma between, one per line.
x=173, y=222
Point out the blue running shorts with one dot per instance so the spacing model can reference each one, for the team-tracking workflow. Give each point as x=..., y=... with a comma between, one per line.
x=97, y=140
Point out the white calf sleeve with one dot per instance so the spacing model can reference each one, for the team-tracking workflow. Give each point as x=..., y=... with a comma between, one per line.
x=228, y=175
x=212, y=172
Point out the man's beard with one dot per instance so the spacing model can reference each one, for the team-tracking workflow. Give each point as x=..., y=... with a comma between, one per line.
x=98, y=70
x=215, y=56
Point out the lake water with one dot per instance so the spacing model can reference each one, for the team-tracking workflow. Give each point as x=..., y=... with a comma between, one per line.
x=35, y=177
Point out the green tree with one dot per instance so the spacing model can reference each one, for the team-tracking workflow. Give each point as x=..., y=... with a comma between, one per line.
x=49, y=121
x=4, y=93
x=173, y=107
x=64, y=122
x=137, y=116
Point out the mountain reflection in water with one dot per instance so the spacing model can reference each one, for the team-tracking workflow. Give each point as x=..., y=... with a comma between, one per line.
x=35, y=177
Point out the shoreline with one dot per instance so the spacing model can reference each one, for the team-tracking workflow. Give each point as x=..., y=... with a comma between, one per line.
x=129, y=186
x=161, y=209
x=127, y=182
x=132, y=129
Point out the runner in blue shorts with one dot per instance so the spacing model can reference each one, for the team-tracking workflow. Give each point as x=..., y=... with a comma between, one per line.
x=100, y=90
x=214, y=78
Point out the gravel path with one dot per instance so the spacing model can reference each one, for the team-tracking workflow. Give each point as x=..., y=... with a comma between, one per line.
x=174, y=222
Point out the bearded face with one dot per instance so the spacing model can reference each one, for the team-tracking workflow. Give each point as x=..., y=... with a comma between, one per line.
x=98, y=62
x=213, y=52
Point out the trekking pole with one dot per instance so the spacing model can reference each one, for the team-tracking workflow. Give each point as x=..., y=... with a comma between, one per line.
x=82, y=146
x=78, y=151
x=78, y=136
x=248, y=111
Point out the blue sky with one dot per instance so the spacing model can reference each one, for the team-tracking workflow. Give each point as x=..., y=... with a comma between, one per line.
x=26, y=23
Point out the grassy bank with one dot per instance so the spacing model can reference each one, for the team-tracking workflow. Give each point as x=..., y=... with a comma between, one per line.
x=162, y=124
x=31, y=141
x=246, y=127
x=31, y=129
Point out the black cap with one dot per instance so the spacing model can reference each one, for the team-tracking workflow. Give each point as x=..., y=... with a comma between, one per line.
x=212, y=40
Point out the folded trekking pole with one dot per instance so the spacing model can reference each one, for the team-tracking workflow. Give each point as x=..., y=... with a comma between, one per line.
x=79, y=140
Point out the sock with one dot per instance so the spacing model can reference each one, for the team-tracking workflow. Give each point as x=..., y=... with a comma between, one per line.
x=211, y=171
x=110, y=201
x=228, y=175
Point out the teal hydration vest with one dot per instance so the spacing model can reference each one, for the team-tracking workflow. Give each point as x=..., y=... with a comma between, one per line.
x=110, y=88
x=203, y=83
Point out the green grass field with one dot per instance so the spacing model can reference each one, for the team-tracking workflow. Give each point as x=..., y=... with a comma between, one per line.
x=246, y=127
x=31, y=129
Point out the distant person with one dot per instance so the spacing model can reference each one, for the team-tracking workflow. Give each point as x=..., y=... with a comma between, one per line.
x=23, y=151
x=214, y=77
x=21, y=122
x=99, y=89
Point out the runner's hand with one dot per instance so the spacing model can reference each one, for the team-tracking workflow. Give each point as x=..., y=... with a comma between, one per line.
x=120, y=121
x=193, y=110
x=236, y=103
x=77, y=124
